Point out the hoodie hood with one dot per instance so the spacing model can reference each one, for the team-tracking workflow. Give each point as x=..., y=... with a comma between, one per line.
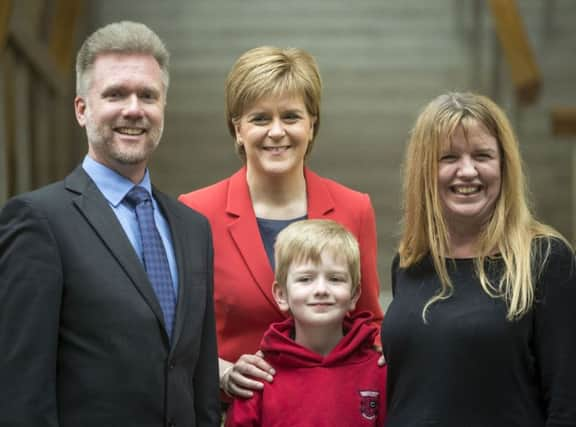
x=356, y=344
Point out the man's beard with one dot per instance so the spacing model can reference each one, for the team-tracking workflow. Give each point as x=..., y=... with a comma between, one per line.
x=102, y=139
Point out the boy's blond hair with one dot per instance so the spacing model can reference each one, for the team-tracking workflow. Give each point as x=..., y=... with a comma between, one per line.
x=306, y=240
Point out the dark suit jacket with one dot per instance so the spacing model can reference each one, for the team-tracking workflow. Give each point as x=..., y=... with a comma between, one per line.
x=82, y=341
x=243, y=276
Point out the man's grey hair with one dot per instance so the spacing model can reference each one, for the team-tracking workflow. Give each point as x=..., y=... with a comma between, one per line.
x=124, y=37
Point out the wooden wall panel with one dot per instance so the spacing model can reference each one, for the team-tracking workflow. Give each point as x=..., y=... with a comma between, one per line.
x=3, y=134
x=62, y=37
x=37, y=57
x=27, y=16
x=5, y=9
x=22, y=125
x=9, y=114
x=41, y=138
x=62, y=143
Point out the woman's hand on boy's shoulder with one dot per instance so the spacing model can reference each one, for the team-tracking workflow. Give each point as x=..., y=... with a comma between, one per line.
x=241, y=380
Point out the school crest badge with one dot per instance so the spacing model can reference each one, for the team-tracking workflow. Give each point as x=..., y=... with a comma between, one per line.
x=369, y=404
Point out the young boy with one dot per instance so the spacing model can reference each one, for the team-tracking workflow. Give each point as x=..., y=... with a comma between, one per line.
x=327, y=370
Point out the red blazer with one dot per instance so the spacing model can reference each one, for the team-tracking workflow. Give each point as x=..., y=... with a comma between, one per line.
x=243, y=276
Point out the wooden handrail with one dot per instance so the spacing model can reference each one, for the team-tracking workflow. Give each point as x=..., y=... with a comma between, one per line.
x=524, y=70
x=564, y=121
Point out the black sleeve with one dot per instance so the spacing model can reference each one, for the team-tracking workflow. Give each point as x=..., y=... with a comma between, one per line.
x=393, y=271
x=30, y=299
x=555, y=335
x=206, y=379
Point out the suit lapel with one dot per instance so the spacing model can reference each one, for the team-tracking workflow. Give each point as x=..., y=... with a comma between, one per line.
x=244, y=231
x=92, y=204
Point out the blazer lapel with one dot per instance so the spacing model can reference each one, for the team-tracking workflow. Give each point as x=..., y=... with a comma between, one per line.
x=244, y=231
x=92, y=204
x=320, y=201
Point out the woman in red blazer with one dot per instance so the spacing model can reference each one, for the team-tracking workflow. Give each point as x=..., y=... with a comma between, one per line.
x=273, y=113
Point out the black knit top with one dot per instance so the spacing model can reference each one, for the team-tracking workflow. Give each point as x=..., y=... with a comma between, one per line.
x=470, y=367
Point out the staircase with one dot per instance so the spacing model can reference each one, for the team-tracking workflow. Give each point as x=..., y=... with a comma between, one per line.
x=381, y=61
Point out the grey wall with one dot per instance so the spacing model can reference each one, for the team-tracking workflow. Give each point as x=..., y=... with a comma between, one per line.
x=381, y=61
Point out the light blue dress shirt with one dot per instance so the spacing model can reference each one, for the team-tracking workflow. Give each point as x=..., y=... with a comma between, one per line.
x=114, y=187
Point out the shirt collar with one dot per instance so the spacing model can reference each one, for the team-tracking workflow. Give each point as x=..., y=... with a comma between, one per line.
x=112, y=185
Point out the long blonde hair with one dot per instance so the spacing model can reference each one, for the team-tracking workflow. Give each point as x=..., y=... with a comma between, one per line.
x=511, y=229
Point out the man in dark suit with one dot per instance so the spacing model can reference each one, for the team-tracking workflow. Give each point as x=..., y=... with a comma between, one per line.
x=94, y=330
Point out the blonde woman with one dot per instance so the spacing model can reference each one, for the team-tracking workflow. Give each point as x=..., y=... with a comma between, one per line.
x=273, y=114
x=481, y=331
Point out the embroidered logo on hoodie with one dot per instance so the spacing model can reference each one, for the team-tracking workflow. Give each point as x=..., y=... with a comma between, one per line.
x=369, y=403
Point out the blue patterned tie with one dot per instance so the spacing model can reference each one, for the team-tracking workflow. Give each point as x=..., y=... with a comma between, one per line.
x=154, y=254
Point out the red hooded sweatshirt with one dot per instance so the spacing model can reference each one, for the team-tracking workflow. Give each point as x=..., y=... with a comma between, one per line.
x=344, y=389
